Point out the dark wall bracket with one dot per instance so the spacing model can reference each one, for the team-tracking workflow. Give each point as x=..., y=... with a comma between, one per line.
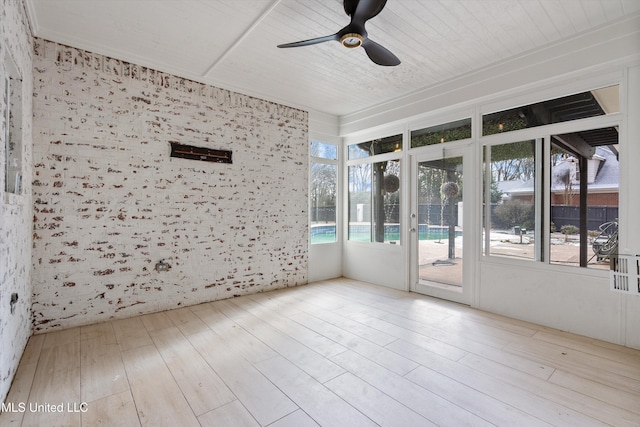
x=200, y=153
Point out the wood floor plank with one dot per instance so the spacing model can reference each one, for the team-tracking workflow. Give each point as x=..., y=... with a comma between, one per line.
x=539, y=407
x=433, y=407
x=380, y=355
x=591, y=346
x=581, y=403
x=22, y=382
x=263, y=400
x=605, y=393
x=376, y=405
x=417, y=323
x=102, y=331
x=453, y=346
x=303, y=357
x=116, y=410
x=371, y=334
x=131, y=333
x=159, y=400
x=187, y=321
x=618, y=374
x=315, y=399
x=477, y=402
x=315, y=341
x=203, y=389
x=156, y=321
x=279, y=301
x=466, y=327
x=298, y=419
x=232, y=414
x=56, y=382
x=239, y=340
x=102, y=372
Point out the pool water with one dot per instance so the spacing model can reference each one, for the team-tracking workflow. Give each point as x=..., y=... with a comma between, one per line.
x=362, y=233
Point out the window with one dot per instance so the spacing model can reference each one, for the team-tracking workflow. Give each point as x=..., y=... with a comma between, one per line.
x=323, y=192
x=510, y=199
x=583, y=194
x=593, y=103
x=12, y=102
x=374, y=191
x=452, y=131
x=564, y=186
x=392, y=144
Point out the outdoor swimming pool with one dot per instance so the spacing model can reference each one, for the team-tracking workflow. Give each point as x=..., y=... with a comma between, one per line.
x=362, y=233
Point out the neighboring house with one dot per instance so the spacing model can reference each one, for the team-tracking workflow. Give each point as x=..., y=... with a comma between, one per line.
x=603, y=182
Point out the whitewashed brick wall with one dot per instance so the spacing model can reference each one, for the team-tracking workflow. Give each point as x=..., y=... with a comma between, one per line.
x=15, y=211
x=109, y=202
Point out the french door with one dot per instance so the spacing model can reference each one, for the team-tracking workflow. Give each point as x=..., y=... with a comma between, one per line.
x=440, y=260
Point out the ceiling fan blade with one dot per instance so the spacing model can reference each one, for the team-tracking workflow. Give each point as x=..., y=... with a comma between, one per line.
x=367, y=9
x=350, y=6
x=311, y=41
x=379, y=54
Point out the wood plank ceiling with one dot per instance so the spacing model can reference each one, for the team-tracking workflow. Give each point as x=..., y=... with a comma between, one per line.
x=232, y=43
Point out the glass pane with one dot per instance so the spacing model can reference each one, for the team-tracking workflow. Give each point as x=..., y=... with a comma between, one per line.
x=595, y=150
x=360, y=184
x=512, y=198
x=323, y=150
x=12, y=100
x=579, y=106
x=377, y=146
x=439, y=134
x=374, y=202
x=323, y=189
x=440, y=222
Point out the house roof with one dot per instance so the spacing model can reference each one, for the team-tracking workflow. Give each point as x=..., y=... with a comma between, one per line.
x=607, y=177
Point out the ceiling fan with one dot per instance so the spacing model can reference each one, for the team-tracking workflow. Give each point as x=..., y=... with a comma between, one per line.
x=354, y=35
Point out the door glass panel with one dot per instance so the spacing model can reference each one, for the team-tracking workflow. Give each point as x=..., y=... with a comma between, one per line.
x=440, y=222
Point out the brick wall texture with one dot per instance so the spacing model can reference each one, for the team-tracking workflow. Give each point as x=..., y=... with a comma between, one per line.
x=109, y=201
x=15, y=210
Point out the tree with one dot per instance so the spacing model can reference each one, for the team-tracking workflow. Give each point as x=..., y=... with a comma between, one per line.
x=323, y=187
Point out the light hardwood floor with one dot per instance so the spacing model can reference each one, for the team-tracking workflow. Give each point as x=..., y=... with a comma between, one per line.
x=335, y=353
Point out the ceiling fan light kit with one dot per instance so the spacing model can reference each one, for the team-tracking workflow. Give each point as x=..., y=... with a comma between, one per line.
x=351, y=40
x=354, y=35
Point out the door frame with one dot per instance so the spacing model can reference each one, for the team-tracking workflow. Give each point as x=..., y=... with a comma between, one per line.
x=464, y=149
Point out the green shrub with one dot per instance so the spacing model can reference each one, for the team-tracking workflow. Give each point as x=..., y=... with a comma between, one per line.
x=514, y=213
x=569, y=229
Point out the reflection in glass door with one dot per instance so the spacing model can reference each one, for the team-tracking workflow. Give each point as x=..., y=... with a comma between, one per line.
x=437, y=223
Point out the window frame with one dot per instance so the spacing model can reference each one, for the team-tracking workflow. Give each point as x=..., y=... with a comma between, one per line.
x=377, y=158
x=13, y=98
x=543, y=182
x=338, y=208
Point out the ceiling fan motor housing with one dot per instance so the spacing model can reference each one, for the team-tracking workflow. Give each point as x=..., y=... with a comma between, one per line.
x=351, y=40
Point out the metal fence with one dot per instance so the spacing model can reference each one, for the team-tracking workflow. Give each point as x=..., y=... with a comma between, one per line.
x=431, y=214
x=570, y=215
